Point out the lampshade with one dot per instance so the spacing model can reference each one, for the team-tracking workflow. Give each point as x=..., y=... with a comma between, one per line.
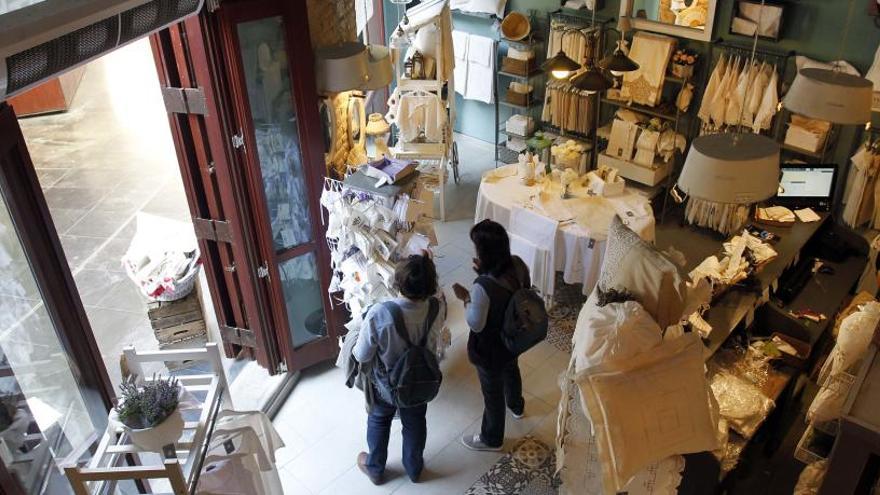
x=731, y=168
x=560, y=66
x=618, y=63
x=341, y=67
x=379, y=71
x=376, y=125
x=829, y=95
x=592, y=80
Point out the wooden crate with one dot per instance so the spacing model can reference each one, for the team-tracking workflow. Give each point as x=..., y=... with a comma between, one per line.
x=517, y=66
x=176, y=321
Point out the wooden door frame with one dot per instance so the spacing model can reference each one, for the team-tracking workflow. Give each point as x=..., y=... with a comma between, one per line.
x=186, y=57
x=305, y=102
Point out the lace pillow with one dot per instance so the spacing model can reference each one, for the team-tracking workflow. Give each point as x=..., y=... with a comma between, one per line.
x=648, y=408
x=631, y=264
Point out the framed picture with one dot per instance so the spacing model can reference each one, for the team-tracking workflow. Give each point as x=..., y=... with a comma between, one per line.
x=747, y=15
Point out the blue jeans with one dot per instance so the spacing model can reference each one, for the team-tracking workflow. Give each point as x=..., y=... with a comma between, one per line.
x=415, y=432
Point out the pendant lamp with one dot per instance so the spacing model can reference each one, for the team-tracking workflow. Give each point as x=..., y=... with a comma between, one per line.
x=592, y=80
x=732, y=168
x=560, y=66
x=617, y=62
x=831, y=95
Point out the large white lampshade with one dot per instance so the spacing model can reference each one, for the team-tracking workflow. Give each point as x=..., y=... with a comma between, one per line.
x=731, y=168
x=341, y=67
x=829, y=95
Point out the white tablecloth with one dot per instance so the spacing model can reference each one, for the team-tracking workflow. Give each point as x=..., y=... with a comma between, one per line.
x=579, y=246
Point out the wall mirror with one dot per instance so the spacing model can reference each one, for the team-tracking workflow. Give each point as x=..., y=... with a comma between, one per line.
x=691, y=19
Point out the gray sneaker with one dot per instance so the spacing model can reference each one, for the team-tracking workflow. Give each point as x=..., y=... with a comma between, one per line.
x=473, y=442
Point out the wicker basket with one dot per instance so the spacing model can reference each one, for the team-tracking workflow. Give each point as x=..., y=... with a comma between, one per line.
x=517, y=98
x=517, y=66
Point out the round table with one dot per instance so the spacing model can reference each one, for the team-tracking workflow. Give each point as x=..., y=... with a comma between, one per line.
x=579, y=244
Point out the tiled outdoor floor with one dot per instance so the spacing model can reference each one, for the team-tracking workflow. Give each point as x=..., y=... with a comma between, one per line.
x=323, y=423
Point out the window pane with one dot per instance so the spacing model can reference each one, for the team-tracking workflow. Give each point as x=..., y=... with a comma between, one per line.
x=264, y=60
x=47, y=416
x=304, y=299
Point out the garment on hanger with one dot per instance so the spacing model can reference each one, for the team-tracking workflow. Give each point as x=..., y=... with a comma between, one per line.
x=576, y=47
x=718, y=107
x=460, y=44
x=652, y=53
x=769, y=104
x=415, y=113
x=874, y=72
x=861, y=187
x=481, y=69
x=568, y=108
x=712, y=88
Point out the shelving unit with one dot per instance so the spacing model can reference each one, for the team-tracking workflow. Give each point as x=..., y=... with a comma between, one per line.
x=503, y=78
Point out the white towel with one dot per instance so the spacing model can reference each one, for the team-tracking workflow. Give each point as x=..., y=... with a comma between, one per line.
x=481, y=69
x=460, y=48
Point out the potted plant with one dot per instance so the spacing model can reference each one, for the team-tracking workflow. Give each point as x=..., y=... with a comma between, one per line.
x=683, y=62
x=150, y=412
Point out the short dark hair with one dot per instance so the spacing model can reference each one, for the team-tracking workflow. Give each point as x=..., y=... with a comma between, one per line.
x=493, y=247
x=416, y=277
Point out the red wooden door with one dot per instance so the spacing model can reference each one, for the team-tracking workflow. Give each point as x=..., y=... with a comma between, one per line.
x=270, y=69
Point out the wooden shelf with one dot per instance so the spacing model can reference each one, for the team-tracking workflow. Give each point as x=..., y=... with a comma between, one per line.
x=513, y=134
x=530, y=75
x=532, y=104
x=642, y=109
x=794, y=149
x=528, y=43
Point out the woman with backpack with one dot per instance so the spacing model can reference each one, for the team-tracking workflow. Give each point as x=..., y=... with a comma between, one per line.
x=500, y=275
x=399, y=341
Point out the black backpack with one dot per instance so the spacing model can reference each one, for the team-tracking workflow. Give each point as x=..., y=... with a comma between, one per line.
x=525, y=319
x=415, y=378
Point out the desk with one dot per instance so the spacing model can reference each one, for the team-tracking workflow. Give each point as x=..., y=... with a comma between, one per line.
x=578, y=249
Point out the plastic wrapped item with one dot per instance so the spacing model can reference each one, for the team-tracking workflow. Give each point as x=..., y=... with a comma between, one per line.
x=742, y=404
x=163, y=258
x=811, y=478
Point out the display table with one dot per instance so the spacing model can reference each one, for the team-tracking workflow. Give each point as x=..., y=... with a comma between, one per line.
x=579, y=245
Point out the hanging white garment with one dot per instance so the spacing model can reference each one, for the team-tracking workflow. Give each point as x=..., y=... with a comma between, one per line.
x=868, y=281
x=769, y=105
x=460, y=44
x=756, y=94
x=860, y=176
x=874, y=72
x=712, y=88
x=481, y=69
x=421, y=111
x=719, y=104
x=737, y=96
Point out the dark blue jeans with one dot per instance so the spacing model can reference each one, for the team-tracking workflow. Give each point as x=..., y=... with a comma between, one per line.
x=415, y=433
x=500, y=387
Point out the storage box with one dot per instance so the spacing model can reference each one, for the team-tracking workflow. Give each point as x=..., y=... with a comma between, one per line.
x=650, y=176
x=521, y=125
x=517, y=98
x=804, y=139
x=518, y=67
x=176, y=321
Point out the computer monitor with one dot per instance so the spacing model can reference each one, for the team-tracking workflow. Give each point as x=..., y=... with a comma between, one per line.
x=807, y=185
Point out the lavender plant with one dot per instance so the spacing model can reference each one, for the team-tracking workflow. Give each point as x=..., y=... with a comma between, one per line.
x=148, y=405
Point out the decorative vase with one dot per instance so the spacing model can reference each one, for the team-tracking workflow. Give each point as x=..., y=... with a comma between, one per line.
x=154, y=438
x=682, y=71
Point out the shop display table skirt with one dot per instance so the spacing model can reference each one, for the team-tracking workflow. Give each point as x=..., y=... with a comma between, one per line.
x=578, y=246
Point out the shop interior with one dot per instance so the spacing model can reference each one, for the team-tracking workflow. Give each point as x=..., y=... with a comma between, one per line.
x=198, y=215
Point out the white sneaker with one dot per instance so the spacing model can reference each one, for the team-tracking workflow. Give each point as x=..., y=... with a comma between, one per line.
x=473, y=442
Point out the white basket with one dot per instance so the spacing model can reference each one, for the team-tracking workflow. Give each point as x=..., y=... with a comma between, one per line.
x=182, y=287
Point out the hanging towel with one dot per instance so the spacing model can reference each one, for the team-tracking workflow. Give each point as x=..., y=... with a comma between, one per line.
x=712, y=88
x=481, y=69
x=756, y=94
x=652, y=53
x=769, y=105
x=460, y=45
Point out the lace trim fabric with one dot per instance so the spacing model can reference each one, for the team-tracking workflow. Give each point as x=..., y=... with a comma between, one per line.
x=577, y=457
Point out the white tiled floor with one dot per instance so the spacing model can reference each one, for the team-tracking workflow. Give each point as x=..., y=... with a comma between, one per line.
x=323, y=423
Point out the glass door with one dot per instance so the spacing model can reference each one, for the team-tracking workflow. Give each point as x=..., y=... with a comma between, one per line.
x=272, y=74
x=52, y=410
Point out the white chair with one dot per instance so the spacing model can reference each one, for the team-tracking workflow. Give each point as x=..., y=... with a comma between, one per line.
x=533, y=238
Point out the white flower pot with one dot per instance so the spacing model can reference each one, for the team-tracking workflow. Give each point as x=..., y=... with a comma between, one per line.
x=153, y=439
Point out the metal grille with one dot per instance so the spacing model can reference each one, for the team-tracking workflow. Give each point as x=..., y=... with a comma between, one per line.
x=44, y=60
x=151, y=16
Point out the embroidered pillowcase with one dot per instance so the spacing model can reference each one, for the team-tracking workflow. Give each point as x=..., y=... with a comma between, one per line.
x=631, y=264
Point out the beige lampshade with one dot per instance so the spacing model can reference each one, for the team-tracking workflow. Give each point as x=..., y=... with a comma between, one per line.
x=376, y=125
x=379, y=70
x=731, y=168
x=836, y=97
x=341, y=67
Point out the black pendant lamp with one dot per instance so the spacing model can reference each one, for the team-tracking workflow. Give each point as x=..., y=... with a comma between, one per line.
x=592, y=80
x=617, y=62
x=560, y=66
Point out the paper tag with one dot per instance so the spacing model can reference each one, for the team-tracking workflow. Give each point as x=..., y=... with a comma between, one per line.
x=228, y=446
